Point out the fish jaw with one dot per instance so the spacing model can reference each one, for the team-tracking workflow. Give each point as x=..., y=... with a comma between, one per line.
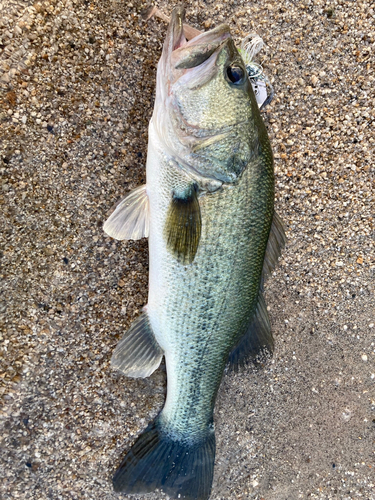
x=179, y=54
x=177, y=50
x=180, y=57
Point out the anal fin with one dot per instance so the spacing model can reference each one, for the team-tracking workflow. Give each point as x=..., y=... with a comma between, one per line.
x=184, y=224
x=130, y=219
x=257, y=338
x=137, y=354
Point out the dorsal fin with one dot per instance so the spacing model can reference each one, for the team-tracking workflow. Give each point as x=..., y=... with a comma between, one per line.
x=256, y=340
x=258, y=336
x=130, y=220
x=276, y=242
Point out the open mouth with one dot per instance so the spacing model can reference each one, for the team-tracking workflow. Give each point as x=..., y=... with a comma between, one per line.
x=190, y=54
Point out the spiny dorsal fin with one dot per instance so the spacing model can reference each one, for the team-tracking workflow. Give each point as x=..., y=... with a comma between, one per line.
x=137, y=354
x=183, y=226
x=130, y=220
x=257, y=338
x=276, y=242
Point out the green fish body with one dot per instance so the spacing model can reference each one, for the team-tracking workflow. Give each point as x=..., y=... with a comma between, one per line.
x=208, y=211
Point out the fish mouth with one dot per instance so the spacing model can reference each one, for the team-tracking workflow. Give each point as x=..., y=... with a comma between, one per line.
x=182, y=54
x=184, y=106
x=189, y=65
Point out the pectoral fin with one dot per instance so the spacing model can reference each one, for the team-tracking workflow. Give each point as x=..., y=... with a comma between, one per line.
x=184, y=224
x=130, y=220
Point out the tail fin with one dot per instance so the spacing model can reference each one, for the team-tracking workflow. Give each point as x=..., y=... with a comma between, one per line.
x=157, y=461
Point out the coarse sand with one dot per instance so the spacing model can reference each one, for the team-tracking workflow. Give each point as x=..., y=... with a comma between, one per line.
x=77, y=88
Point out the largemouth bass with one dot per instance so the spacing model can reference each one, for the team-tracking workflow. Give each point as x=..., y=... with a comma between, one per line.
x=208, y=211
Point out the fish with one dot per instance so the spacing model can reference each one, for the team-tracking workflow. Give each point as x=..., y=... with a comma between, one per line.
x=207, y=209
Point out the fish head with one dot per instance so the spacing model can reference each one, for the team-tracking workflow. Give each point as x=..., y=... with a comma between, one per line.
x=205, y=112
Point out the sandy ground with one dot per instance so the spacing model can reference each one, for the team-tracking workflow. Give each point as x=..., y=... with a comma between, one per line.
x=77, y=85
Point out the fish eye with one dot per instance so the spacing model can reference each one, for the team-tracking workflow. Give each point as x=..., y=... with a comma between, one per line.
x=235, y=74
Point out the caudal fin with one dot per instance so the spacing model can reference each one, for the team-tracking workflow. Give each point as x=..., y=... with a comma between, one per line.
x=156, y=460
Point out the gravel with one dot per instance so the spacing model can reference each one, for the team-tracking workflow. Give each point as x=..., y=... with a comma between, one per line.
x=77, y=87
